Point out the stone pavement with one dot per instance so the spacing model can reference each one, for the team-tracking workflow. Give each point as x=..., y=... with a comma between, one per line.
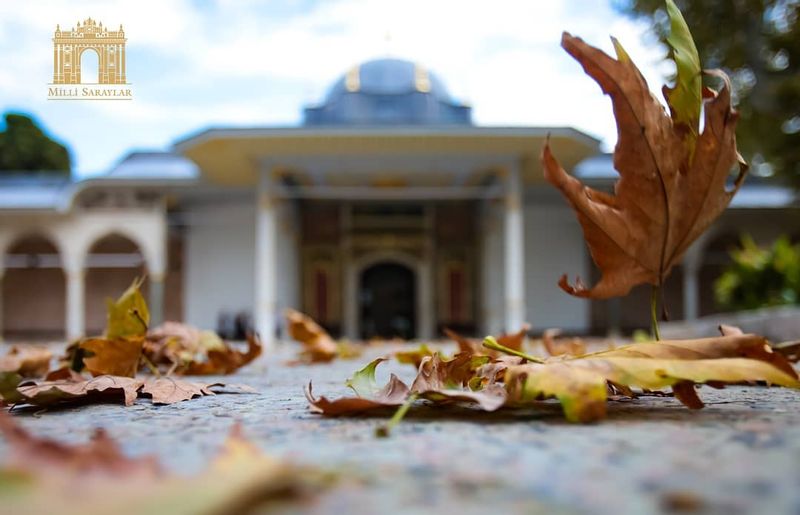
x=741, y=454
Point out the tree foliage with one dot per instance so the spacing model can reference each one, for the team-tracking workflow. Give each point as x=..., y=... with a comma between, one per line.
x=758, y=43
x=760, y=277
x=24, y=146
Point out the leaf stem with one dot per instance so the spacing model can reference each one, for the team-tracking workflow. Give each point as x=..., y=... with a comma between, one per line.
x=149, y=364
x=384, y=430
x=654, y=311
x=490, y=343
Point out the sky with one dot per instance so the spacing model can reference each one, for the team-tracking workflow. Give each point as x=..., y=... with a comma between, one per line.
x=247, y=63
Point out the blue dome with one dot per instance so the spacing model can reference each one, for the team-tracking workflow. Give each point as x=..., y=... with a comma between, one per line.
x=388, y=91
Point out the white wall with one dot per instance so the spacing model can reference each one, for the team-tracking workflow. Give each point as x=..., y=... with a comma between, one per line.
x=220, y=249
x=220, y=262
x=554, y=246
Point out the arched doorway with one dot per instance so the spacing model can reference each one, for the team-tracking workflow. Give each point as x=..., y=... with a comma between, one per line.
x=34, y=291
x=387, y=301
x=113, y=262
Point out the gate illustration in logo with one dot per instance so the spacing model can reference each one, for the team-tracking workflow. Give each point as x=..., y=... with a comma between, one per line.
x=69, y=46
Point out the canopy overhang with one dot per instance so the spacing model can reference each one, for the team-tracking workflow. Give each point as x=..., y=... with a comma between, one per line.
x=312, y=161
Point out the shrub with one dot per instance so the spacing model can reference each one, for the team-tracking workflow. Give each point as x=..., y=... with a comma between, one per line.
x=760, y=277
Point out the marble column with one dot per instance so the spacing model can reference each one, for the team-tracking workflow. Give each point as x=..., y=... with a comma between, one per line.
x=156, y=299
x=350, y=300
x=514, y=246
x=426, y=307
x=265, y=290
x=75, y=302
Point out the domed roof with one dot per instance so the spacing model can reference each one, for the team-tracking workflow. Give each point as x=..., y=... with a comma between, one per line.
x=388, y=91
x=389, y=77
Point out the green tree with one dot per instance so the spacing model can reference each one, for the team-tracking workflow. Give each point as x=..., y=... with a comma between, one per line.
x=758, y=43
x=25, y=146
x=760, y=277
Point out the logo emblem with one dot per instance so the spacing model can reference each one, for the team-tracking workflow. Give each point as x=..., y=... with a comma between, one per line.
x=69, y=48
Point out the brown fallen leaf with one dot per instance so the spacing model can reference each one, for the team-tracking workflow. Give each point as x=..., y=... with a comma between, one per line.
x=186, y=350
x=413, y=356
x=164, y=390
x=511, y=340
x=393, y=394
x=437, y=373
x=42, y=476
x=671, y=187
x=438, y=381
x=789, y=350
x=318, y=346
x=27, y=361
x=564, y=346
x=225, y=361
x=63, y=374
x=175, y=343
x=167, y=390
x=97, y=389
x=118, y=352
x=118, y=357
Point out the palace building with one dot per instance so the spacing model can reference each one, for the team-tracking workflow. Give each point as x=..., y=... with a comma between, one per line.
x=386, y=213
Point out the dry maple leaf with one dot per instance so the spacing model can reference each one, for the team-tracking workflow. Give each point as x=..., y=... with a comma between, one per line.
x=392, y=395
x=97, y=389
x=580, y=384
x=167, y=390
x=117, y=352
x=671, y=187
x=318, y=344
x=438, y=381
x=225, y=361
x=163, y=390
x=748, y=346
x=511, y=340
x=28, y=361
x=186, y=350
x=119, y=357
x=565, y=346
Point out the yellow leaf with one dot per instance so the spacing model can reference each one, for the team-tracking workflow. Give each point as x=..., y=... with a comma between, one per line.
x=128, y=316
x=580, y=384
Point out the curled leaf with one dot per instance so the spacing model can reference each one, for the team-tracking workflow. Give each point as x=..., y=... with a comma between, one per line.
x=318, y=346
x=28, y=361
x=468, y=345
x=580, y=384
x=669, y=191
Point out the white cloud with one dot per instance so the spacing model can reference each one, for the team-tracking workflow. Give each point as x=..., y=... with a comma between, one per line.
x=502, y=57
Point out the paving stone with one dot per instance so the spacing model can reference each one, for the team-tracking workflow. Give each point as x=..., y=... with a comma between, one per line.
x=741, y=454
